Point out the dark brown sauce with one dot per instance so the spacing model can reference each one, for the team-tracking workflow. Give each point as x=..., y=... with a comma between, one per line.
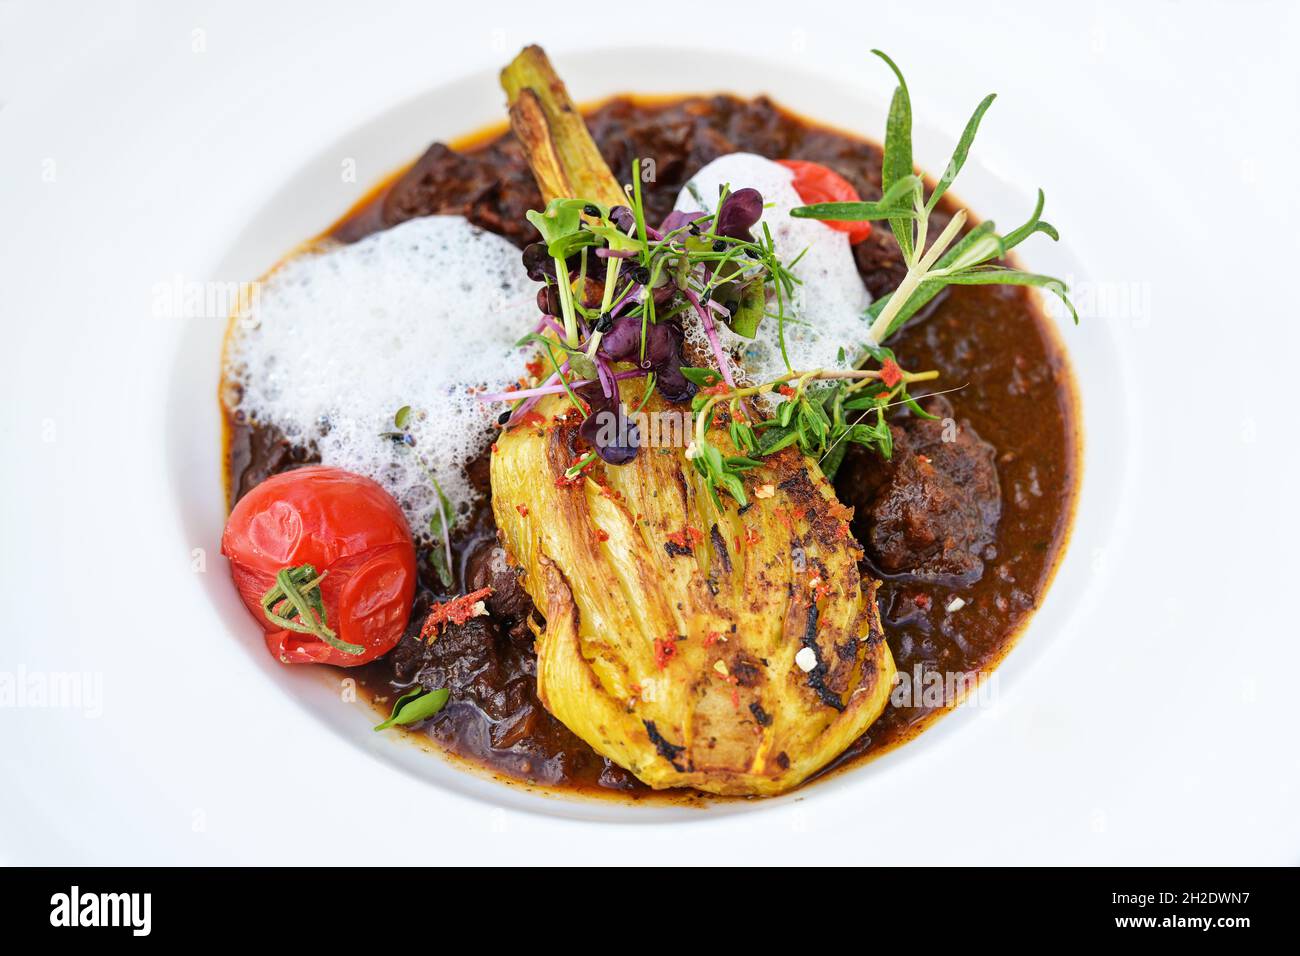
x=1016, y=391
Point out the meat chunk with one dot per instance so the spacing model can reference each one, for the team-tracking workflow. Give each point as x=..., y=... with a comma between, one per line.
x=491, y=187
x=487, y=566
x=932, y=511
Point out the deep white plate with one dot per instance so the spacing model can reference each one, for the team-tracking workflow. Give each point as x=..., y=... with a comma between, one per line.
x=1142, y=717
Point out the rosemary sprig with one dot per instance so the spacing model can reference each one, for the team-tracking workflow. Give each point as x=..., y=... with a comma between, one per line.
x=948, y=260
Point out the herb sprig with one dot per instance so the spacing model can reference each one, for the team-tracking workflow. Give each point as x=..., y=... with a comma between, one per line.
x=440, y=524
x=416, y=705
x=948, y=260
x=814, y=418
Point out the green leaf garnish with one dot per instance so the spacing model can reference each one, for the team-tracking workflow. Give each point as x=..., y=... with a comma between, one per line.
x=994, y=275
x=959, y=154
x=897, y=163
x=559, y=223
x=416, y=705
x=894, y=202
x=751, y=309
x=703, y=377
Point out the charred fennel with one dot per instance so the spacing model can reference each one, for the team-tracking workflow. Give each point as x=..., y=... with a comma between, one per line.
x=563, y=156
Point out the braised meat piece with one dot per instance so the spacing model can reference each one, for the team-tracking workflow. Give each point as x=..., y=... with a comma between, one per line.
x=491, y=187
x=931, y=512
x=487, y=566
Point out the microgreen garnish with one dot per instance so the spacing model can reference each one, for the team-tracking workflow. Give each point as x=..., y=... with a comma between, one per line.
x=440, y=523
x=815, y=420
x=575, y=471
x=416, y=705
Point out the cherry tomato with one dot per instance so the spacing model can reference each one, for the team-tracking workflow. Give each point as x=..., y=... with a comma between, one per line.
x=344, y=548
x=815, y=183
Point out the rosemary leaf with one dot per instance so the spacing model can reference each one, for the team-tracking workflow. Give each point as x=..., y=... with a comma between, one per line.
x=959, y=154
x=897, y=163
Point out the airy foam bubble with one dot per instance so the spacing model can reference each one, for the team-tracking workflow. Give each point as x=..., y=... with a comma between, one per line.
x=418, y=315
x=826, y=313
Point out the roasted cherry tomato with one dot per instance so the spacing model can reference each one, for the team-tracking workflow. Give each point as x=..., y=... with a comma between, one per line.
x=324, y=560
x=815, y=183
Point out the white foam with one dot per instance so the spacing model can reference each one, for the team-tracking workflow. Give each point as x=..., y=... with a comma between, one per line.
x=826, y=313
x=415, y=315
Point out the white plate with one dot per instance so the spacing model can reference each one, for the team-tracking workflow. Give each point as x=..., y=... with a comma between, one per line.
x=1119, y=729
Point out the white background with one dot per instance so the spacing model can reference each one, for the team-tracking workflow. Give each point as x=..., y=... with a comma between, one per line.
x=1164, y=135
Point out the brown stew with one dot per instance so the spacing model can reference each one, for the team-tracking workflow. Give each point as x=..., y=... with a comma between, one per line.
x=980, y=512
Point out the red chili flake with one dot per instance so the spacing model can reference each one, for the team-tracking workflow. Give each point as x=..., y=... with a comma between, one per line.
x=842, y=532
x=457, y=611
x=890, y=373
x=751, y=535
x=737, y=542
x=840, y=511
x=535, y=368
x=564, y=481
x=721, y=388
x=785, y=390
x=735, y=698
x=688, y=537
x=665, y=650
x=602, y=534
x=922, y=600
x=712, y=638
x=532, y=418
x=494, y=448
x=523, y=510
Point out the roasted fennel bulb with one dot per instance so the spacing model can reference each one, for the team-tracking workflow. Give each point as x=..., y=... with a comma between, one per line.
x=724, y=642
x=734, y=650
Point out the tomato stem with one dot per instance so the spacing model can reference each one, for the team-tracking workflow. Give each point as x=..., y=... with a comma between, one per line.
x=299, y=587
